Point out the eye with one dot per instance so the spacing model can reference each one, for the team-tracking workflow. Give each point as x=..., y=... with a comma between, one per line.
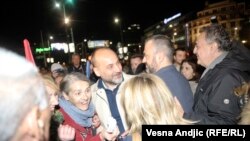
x=110, y=66
x=87, y=90
x=78, y=93
x=55, y=94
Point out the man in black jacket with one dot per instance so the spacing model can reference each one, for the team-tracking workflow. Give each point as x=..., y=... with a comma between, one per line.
x=227, y=66
x=76, y=64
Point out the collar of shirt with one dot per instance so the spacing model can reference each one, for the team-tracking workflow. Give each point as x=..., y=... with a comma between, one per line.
x=215, y=62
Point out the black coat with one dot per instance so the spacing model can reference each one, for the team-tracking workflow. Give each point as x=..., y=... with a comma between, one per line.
x=214, y=100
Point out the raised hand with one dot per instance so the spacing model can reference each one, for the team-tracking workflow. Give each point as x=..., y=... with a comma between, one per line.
x=66, y=133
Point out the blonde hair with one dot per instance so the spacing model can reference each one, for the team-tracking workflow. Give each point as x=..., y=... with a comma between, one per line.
x=49, y=82
x=147, y=100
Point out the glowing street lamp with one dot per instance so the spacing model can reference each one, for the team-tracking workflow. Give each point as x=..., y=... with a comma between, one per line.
x=117, y=21
x=51, y=37
x=57, y=5
x=66, y=20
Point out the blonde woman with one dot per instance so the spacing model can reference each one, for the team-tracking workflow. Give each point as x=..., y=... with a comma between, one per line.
x=52, y=91
x=145, y=98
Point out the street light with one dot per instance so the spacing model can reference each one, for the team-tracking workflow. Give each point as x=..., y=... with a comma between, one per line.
x=117, y=21
x=67, y=22
x=51, y=37
x=65, y=18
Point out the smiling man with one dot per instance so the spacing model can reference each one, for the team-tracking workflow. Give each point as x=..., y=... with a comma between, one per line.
x=227, y=66
x=105, y=92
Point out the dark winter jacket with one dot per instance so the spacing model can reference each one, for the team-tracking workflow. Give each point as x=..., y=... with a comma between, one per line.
x=214, y=100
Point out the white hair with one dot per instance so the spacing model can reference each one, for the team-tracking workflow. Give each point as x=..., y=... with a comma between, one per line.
x=21, y=88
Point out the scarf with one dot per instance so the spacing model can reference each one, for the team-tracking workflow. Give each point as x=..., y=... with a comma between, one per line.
x=83, y=118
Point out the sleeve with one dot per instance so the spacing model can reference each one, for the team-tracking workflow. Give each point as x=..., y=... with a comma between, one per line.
x=223, y=106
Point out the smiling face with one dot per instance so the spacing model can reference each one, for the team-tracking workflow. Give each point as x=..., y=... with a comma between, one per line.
x=108, y=67
x=79, y=94
x=179, y=56
x=203, y=51
x=187, y=71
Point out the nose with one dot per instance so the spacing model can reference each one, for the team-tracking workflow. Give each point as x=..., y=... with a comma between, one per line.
x=54, y=100
x=195, y=50
x=118, y=67
x=84, y=95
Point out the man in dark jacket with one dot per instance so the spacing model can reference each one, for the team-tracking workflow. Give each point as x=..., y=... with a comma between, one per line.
x=76, y=65
x=227, y=66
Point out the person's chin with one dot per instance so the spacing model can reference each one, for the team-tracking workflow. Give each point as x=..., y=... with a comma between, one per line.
x=52, y=108
x=84, y=106
x=118, y=80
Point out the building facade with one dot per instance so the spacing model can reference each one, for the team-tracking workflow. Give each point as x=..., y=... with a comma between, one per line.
x=184, y=29
x=229, y=14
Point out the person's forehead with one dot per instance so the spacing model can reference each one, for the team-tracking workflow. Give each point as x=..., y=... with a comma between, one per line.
x=75, y=56
x=79, y=84
x=201, y=37
x=186, y=64
x=107, y=60
x=148, y=47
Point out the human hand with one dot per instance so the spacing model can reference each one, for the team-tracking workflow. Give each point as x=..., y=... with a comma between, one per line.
x=96, y=121
x=110, y=136
x=66, y=133
x=124, y=134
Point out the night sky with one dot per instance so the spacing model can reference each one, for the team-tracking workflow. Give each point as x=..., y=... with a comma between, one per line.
x=92, y=19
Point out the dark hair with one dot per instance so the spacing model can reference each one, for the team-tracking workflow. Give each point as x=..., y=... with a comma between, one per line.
x=192, y=61
x=217, y=33
x=140, y=68
x=76, y=54
x=136, y=56
x=180, y=49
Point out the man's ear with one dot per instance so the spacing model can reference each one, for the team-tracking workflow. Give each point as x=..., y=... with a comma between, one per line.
x=214, y=46
x=96, y=71
x=159, y=57
x=174, y=57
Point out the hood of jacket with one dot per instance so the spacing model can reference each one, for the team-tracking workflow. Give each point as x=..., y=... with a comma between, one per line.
x=238, y=58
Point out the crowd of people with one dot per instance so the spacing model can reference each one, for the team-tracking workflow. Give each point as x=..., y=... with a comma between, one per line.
x=163, y=86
